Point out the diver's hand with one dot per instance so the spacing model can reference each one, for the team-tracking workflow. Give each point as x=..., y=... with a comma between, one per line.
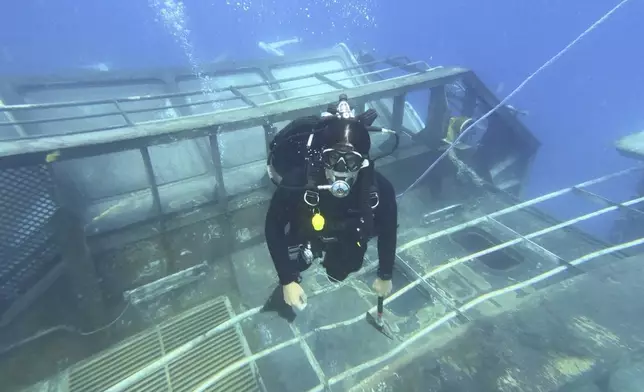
x=382, y=287
x=294, y=295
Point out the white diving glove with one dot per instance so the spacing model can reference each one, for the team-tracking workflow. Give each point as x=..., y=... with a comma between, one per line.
x=294, y=295
x=382, y=287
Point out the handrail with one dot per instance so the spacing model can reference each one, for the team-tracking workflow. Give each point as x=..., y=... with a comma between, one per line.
x=139, y=135
x=123, y=112
x=53, y=105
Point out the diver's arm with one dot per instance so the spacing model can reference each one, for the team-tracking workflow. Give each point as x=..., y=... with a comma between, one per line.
x=386, y=221
x=277, y=218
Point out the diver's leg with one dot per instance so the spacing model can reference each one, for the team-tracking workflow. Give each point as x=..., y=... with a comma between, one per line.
x=343, y=258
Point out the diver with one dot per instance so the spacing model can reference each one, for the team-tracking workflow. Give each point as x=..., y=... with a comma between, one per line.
x=330, y=200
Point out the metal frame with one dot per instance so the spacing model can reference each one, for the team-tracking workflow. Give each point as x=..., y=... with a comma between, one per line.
x=450, y=315
x=47, y=149
x=56, y=148
x=142, y=135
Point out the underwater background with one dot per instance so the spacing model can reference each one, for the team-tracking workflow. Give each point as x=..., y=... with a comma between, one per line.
x=144, y=267
x=577, y=107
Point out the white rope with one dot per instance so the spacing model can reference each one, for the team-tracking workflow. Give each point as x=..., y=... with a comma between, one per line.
x=516, y=90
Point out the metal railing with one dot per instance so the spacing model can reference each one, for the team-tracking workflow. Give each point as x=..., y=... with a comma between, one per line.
x=417, y=66
x=45, y=149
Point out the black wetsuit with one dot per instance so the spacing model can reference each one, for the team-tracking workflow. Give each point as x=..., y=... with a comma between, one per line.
x=287, y=208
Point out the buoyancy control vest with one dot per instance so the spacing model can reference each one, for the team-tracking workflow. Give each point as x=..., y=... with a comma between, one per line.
x=327, y=219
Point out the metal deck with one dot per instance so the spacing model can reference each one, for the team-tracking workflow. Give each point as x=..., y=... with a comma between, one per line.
x=547, y=268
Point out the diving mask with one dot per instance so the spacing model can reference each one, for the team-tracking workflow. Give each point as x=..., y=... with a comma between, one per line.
x=341, y=169
x=342, y=161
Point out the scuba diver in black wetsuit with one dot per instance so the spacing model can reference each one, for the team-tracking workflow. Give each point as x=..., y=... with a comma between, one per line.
x=329, y=199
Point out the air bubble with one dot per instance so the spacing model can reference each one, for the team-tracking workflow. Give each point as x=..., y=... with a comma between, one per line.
x=172, y=15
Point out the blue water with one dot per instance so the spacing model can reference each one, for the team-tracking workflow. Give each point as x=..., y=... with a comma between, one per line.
x=577, y=107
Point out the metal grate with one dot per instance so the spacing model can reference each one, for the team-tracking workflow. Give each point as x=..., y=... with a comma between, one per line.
x=157, y=382
x=206, y=360
x=221, y=350
x=27, y=246
x=109, y=368
x=182, y=331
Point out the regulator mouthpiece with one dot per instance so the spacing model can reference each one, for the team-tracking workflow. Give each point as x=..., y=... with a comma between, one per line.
x=340, y=188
